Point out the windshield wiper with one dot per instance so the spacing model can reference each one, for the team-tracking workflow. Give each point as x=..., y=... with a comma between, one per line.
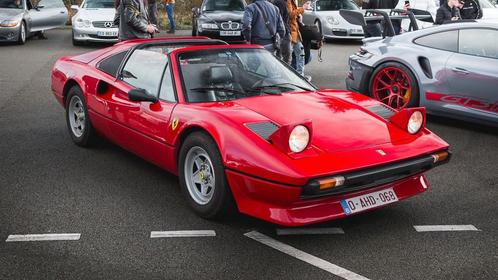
x=282, y=85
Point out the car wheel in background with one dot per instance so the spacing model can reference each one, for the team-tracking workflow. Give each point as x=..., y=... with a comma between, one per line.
x=395, y=85
x=76, y=42
x=78, y=122
x=23, y=34
x=202, y=177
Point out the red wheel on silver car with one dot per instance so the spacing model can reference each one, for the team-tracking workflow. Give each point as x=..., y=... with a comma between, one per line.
x=394, y=85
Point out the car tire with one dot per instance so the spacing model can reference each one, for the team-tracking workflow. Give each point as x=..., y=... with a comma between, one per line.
x=78, y=122
x=395, y=85
x=23, y=34
x=207, y=192
x=76, y=42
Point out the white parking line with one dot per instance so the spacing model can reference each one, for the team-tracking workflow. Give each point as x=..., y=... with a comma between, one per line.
x=182, y=233
x=303, y=256
x=428, y=228
x=303, y=231
x=43, y=237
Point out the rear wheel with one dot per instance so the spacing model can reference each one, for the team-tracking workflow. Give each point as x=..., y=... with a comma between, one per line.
x=22, y=34
x=395, y=85
x=78, y=122
x=202, y=177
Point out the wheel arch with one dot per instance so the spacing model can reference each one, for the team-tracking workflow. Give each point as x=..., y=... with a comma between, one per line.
x=67, y=86
x=193, y=128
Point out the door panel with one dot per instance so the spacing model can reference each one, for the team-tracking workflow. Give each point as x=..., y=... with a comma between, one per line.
x=52, y=15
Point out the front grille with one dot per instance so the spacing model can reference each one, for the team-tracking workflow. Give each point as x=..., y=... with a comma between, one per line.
x=103, y=24
x=101, y=37
x=340, y=33
x=229, y=25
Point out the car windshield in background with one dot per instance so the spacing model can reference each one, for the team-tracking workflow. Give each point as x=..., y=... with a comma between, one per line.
x=486, y=4
x=98, y=4
x=11, y=4
x=223, y=5
x=229, y=74
x=335, y=5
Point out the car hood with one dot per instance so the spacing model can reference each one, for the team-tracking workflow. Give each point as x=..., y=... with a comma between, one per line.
x=338, y=125
x=96, y=14
x=9, y=14
x=335, y=14
x=220, y=16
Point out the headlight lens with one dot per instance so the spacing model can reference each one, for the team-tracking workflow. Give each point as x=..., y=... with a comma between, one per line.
x=82, y=23
x=10, y=23
x=415, y=122
x=332, y=20
x=209, y=26
x=299, y=139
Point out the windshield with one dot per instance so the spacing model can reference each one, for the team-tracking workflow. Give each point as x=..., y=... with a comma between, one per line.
x=335, y=5
x=230, y=74
x=486, y=4
x=98, y=4
x=11, y=4
x=223, y=5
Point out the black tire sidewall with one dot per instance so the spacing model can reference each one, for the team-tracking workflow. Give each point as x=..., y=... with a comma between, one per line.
x=85, y=138
x=20, y=40
x=415, y=94
x=221, y=203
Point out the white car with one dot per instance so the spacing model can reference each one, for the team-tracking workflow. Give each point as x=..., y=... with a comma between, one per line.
x=325, y=15
x=94, y=22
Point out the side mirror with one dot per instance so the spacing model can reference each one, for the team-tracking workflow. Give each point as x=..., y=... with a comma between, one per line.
x=75, y=8
x=140, y=95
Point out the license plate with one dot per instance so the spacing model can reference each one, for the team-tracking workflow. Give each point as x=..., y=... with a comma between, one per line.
x=356, y=31
x=230, y=33
x=107, y=33
x=368, y=201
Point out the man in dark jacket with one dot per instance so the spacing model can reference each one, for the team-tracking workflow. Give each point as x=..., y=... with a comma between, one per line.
x=254, y=27
x=448, y=12
x=285, y=44
x=471, y=9
x=131, y=16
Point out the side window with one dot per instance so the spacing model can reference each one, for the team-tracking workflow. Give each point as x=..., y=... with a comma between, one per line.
x=111, y=64
x=167, y=92
x=447, y=41
x=144, y=69
x=51, y=3
x=479, y=42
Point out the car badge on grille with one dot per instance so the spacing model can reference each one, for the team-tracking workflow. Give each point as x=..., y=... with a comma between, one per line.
x=108, y=24
x=381, y=152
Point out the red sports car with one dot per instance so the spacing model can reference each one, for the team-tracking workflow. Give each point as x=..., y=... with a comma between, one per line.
x=244, y=131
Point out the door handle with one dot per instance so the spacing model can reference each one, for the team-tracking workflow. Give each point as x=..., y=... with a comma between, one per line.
x=460, y=70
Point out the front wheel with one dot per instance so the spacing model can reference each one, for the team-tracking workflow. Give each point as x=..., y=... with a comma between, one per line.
x=22, y=34
x=78, y=122
x=202, y=177
x=395, y=85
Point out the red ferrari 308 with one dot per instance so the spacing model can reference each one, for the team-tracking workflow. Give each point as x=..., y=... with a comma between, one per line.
x=244, y=131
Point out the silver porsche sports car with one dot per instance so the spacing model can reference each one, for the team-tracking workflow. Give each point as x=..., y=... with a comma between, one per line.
x=94, y=22
x=450, y=69
x=20, y=19
x=325, y=15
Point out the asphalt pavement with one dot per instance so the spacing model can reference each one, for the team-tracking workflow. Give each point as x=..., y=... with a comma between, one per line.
x=111, y=201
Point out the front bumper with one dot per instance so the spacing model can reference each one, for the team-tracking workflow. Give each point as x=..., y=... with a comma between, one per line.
x=359, y=74
x=92, y=35
x=9, y=34
x=342, y=32
x=289, y=206
x=215, y=34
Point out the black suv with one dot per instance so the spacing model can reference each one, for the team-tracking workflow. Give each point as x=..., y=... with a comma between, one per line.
x=219, y=19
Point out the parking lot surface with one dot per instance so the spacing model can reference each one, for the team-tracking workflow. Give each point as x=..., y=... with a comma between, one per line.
x=102, y=213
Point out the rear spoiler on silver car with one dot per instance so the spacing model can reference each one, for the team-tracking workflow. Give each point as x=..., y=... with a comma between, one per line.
x=385, y=17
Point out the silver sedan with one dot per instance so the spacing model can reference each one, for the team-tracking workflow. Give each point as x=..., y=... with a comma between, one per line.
x=19, y=19
x=94, y=22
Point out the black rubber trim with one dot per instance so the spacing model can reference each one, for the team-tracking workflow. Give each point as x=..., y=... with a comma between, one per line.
x=373, y=177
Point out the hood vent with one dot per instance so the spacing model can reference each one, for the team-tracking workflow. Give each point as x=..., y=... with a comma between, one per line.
x=263, y=129
x=381, y=110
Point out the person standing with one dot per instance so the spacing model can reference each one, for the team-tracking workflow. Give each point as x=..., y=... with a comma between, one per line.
x=285, y=43
x=448, y=12
x=257, y=30
x=152, y=11
x=170, y=10
x=296, y=40
x=131, y=17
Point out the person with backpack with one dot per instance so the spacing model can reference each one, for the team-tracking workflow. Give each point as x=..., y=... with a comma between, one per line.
x=263, y=25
